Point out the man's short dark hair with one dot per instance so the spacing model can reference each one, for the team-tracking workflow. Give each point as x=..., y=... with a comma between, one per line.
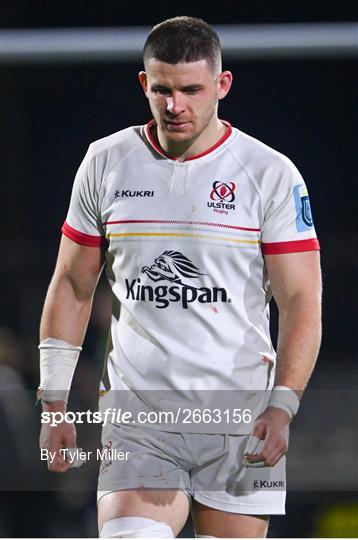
x=183, y=39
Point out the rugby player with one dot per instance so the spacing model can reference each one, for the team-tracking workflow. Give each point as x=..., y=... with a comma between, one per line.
x=197, y=224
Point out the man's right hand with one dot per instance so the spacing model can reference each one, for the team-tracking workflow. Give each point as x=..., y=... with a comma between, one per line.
x=53, y=438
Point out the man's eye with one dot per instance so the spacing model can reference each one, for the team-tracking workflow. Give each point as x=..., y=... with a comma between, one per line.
x=161, y=91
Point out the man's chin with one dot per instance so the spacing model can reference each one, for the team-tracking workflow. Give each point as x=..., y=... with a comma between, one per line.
x=182, y=135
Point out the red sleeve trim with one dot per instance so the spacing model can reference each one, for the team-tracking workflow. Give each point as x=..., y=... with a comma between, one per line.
x=295, y=246
x=82, y=238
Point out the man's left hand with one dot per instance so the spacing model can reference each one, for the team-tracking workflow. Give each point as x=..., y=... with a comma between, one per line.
x=268, y=441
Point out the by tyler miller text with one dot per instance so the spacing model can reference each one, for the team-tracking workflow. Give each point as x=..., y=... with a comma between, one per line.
x=82, y=455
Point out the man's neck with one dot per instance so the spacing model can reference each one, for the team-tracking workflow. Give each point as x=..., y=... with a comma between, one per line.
x=206, y=140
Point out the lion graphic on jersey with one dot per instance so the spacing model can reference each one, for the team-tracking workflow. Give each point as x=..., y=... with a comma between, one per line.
x=172, y=266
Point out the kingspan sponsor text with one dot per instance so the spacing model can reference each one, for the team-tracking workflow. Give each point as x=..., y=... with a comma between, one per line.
x=163, y=295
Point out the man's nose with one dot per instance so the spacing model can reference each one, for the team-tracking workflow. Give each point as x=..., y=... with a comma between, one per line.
x=175, y=104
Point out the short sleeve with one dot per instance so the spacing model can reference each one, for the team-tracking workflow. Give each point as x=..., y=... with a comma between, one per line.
x=288, y=224
x=83, y=223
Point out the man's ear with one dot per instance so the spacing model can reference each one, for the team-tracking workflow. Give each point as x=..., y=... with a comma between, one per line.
x=142, y=76
x=224, y=83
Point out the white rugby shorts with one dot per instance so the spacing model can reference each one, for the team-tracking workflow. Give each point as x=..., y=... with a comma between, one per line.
x=207, y=467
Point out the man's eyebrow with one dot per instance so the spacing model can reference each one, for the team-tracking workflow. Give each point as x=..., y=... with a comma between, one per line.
x=157, y=86
x=195, y=86
x=186, y=88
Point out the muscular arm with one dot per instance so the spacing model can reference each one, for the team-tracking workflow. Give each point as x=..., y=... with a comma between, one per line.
x=296, y=285
x=65, y=316
x=69, y=298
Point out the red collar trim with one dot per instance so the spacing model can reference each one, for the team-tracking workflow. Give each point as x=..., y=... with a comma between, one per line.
x=160, y=150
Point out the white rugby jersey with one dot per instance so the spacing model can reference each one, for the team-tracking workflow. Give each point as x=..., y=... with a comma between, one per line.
x=185, y=244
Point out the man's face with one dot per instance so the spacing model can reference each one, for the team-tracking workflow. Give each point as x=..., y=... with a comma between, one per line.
x=183, y=97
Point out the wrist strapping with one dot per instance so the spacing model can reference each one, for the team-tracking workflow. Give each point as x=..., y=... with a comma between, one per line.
x=284, y=398
x=58, y=361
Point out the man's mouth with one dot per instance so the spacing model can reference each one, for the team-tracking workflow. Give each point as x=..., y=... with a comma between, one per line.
x=176, y=124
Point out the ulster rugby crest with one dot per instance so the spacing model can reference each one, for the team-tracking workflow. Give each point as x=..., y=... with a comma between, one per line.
x=222, y=196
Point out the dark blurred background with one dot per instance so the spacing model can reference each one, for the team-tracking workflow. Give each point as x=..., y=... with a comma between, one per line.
x=50, y=112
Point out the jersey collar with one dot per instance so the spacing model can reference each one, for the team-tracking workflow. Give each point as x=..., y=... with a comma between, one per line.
x=160, y=150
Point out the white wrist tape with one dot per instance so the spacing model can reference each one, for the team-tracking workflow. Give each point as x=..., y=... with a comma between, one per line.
x=58, y=361
x=284, y=398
